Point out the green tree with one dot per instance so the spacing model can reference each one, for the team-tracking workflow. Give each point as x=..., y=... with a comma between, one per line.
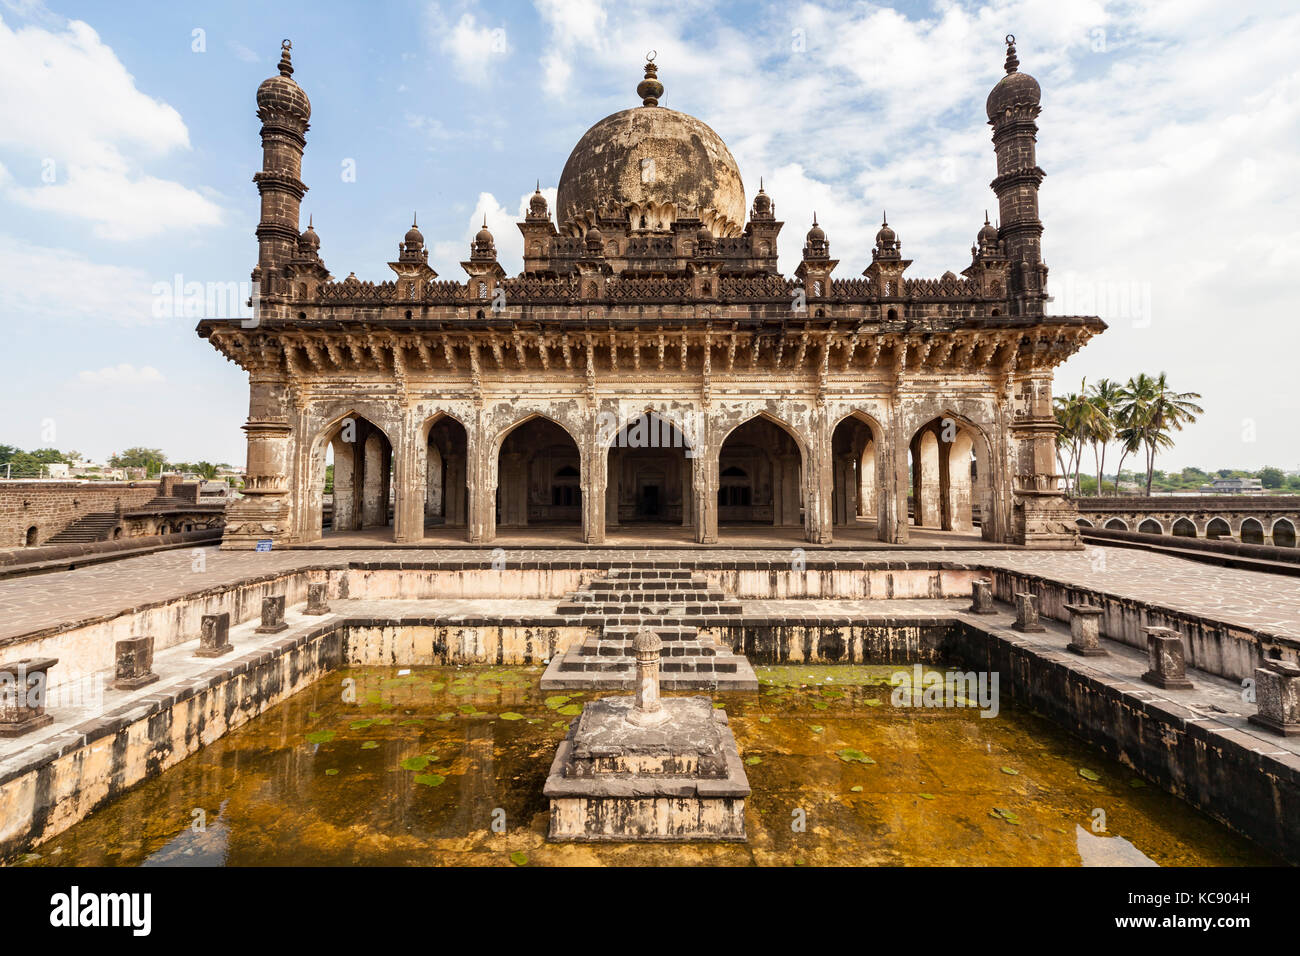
x=1271, y=477
x=150, y=459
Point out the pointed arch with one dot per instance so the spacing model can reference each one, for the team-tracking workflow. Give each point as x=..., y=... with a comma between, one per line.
x=774, y=459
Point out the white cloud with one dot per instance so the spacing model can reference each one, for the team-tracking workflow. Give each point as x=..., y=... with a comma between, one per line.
x=477, y=49
x=244, y=53
x=74, y=124
x=39, y=284
x=1169, y=134
x=501, y=222
x=121, y=207
x=123, y=375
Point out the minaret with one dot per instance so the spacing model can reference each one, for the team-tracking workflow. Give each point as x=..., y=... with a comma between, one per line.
x=1012, y=109
x=284, y=110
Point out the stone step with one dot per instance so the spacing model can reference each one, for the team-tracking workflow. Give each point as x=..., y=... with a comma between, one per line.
x=619, y=584
x=648, y=595
x=729, y=673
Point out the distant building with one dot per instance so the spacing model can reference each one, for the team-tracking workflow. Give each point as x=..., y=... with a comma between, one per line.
x=1233, y=486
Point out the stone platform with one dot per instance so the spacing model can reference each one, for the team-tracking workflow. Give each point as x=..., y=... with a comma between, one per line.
x=615, y=781
x=674, y=603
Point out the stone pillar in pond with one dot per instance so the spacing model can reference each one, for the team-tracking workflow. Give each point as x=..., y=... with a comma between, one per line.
x=134, y=663
x=982, y=597
x=272, y=615
x=1085, y=630
x=317, y=598
x=1027, y=613
x=1277, y=695
x=1168, y=665
x=648, y=710
x=23, y=685
x=214, y=635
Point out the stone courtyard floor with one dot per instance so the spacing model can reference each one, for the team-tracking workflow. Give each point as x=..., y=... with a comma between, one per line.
x=1249, y=599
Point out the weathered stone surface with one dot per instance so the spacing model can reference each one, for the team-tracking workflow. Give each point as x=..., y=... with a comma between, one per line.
x=615, y=781
x=317, y=598
x=1027, y=613
x=1277, y=697
x=1168, y=663
x=982, y=597
x=272, y=615
x=214, y=635
x=1085, y=630
x=134, y=667
x=23, y=687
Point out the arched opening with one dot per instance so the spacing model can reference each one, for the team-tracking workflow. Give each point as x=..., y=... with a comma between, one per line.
x=1151, y=526
x=1083, y=522
x=1217, y=528
x=950, y=477
x=446, y=468
x=1116, y=524
x=539, y=477
x=771, y=463
x=1283, y=533
x=649, y=478
x=29, y=539
x=1252, y=531
x=355, y=474
x=853, y=470
x=1184, y=528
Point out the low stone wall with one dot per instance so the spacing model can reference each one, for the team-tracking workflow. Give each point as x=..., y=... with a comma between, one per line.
x=54, y=556
x=87, y=648
x=813, y=643
x=1215, y=768
x=422, y=644
x=922, y=580
x=1211, y=646
x=77, y=771
x=378, y=582
x=50, y=506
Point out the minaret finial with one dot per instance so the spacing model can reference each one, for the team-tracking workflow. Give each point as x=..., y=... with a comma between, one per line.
x=286, y=65
x=309, y=220
x=415, y=221
x=986, y=217
x=539, y=186
x=814, y=217
x=1013, y=64
x=650, y=89
x=884, y=218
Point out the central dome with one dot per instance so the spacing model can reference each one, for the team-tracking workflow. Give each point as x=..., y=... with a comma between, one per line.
x=652, y=162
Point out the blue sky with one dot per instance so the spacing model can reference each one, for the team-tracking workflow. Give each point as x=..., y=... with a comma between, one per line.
x=1170, y=134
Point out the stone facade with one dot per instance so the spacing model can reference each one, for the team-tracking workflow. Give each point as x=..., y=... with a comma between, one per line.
x=651, y=364
x=32, y=512
x=1269, y=520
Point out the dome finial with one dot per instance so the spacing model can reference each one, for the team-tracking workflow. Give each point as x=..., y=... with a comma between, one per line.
x=650, y=89
x=286, y=65
x=415, y=221
x=1013, y=64
x=884, y=218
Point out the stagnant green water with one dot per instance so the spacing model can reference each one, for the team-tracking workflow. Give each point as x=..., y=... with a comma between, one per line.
x=417, y=769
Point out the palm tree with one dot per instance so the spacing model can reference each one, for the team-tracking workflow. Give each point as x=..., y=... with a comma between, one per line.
x=1105, y=399
x=1070, y=416
x=1168, y=412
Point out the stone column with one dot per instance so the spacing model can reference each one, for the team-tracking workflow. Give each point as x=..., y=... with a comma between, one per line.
x=411, y=458
x=982, y=597
x=706, y=498
x=613, y=486
x=214, y=635
x=345, y=513
x=1277, y=695
x=317, y=598
x=593, y=480
x=820, y=478
x=272, y=615
x=688, y=492
x=23, y=686
x=649, y=710
x=1168, y=664
x=481, y=479
x=514, y=490
x=134, y=663
x=1027, y=613
x=891, y=497
x=1085, y=630
x=265, y=510
x=435, y=501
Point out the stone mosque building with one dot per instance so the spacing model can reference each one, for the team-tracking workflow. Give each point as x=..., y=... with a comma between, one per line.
x=651, y=368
